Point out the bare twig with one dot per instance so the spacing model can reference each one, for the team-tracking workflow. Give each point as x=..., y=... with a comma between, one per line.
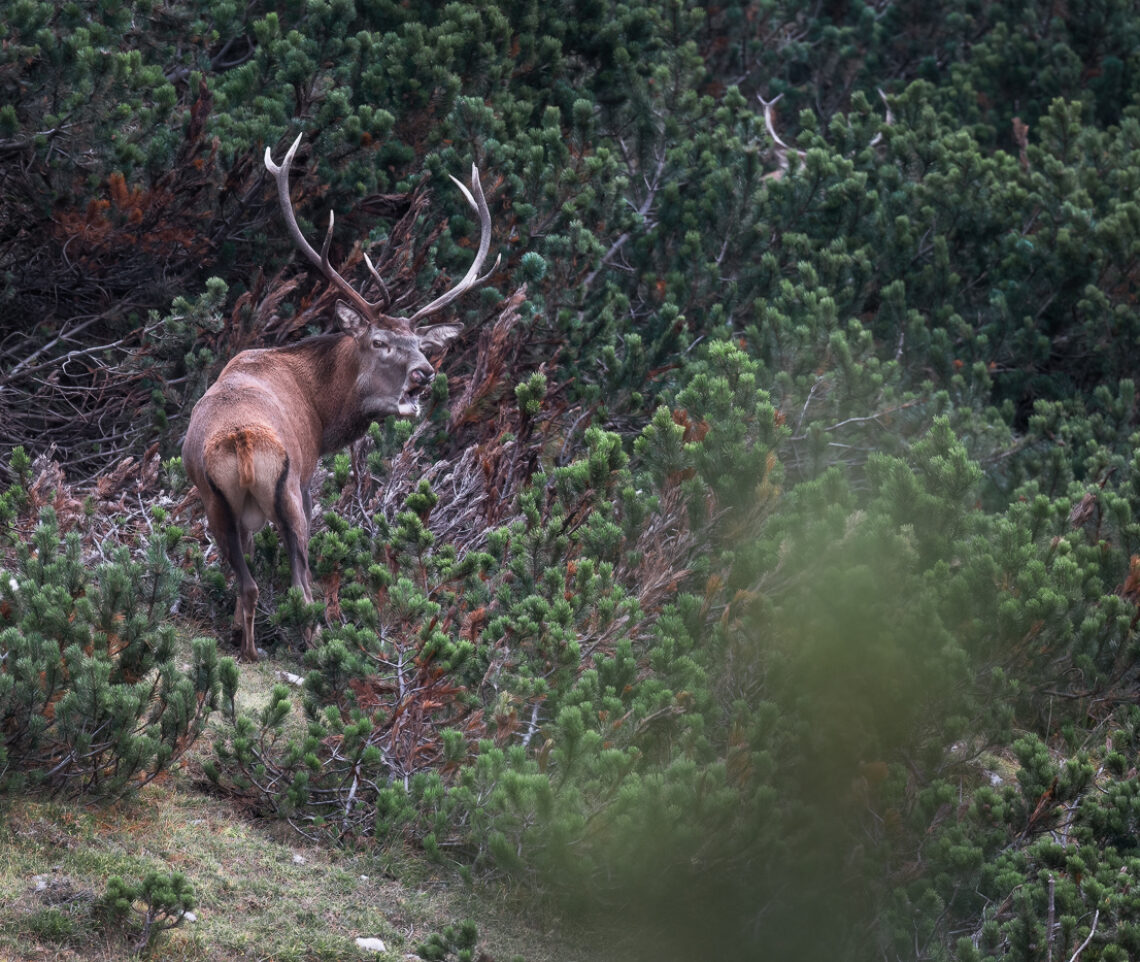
x=1084, y=945
x=1050, y=927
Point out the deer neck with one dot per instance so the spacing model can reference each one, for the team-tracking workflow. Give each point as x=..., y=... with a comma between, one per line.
x=332, y=386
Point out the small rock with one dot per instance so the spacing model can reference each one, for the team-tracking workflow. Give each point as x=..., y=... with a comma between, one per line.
x=371, y=945
x=290, y=679
x=364, y=878
x=298, y=859
x=189, y=917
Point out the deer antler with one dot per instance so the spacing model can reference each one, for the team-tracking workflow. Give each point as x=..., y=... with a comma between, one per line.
x=471, y=279
x=888, y=119
x=371, y=310
x=782, y=149
x=368, y=309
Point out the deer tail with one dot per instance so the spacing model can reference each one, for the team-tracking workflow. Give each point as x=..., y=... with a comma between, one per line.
x=244, y=447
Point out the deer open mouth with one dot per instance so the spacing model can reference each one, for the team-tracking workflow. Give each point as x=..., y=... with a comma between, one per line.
x=409, y=403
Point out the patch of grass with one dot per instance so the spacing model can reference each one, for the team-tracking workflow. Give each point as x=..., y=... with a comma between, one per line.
x=262, y=891
x=50, y=925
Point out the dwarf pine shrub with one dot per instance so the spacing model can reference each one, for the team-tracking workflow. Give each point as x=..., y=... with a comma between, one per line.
x=151, y=905
x=94, y=695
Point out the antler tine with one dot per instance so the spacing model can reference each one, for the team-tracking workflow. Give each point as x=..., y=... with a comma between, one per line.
x=324, y=264
x=281, y=176
x=379, y=280
x=781, y=149
x=888, y=120
x=472, y=278
x=770, y=124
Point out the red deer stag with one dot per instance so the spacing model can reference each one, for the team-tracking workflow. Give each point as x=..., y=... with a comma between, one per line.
x=255, y=436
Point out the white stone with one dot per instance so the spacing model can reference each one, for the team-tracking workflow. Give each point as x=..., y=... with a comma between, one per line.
x=371, y=945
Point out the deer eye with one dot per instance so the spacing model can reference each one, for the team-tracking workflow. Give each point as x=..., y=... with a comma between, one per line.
x=380, y=344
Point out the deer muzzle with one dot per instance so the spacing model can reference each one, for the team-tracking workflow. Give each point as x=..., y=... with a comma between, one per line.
x=419, y=378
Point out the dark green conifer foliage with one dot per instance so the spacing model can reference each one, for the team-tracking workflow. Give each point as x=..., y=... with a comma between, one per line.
x=92, y=700
x=454, y=942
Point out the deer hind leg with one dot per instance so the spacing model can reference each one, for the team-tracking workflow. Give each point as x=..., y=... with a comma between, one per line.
x=245, y=612
x=232, y=538
x=292, y=505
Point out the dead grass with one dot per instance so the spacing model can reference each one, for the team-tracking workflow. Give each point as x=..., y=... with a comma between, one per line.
x=263, y=892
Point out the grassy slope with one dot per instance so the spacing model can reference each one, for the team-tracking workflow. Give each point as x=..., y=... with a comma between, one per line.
x=263, y=891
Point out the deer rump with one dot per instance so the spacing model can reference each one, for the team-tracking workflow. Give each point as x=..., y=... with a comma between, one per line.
x=248, y=468
x=246, y=451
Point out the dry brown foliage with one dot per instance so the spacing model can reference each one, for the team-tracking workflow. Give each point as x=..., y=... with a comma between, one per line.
x=78, y=350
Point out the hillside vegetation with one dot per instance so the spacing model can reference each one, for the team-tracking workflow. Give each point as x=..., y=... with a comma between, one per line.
x=764, y=573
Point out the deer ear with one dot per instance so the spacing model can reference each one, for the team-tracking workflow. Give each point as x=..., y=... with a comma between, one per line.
x=350, y=320
x=438, y=335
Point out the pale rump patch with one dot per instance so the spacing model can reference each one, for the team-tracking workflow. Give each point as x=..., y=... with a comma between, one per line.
x=243, y=458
